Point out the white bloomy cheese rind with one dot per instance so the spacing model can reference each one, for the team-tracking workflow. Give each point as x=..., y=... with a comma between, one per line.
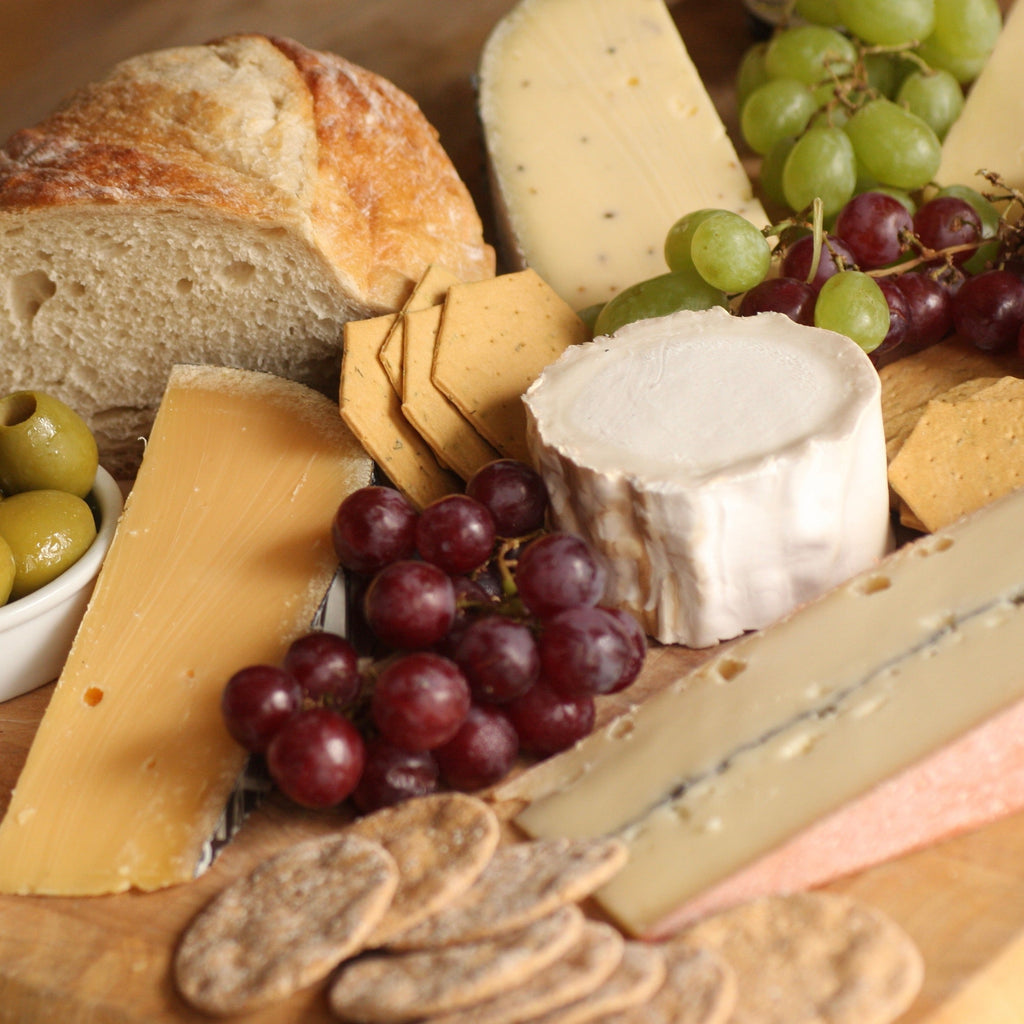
x=221, y=558
x=726, y=468
x=791, y=724
x=600, y=135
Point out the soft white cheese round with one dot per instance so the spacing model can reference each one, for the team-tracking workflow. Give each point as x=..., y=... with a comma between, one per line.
x=727, y=468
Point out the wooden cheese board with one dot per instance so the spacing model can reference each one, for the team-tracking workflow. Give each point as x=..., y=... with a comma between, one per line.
x=107, y=958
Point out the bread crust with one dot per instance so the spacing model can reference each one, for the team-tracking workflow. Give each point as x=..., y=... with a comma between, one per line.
x=346, y=156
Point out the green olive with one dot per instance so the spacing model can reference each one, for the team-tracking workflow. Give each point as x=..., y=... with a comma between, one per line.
x=47, y=531
x=6, y=570
x=44, y=445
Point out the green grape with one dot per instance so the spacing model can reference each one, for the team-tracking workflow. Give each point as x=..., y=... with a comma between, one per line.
x=810, y=54
x=589, y=315
x=964, y=69
x=774, y=110
x=730, y=253
x=832, y=116
x=885, y=72
x=751, y=72
x=819, y=12
x=657, y=296
x=680, y=236
x=770, y=175
x=900, y=195
x=851, y=303
x=967, y=28
x=821, y=165
x=895, y=146
x=935, y=96
x=888, y=22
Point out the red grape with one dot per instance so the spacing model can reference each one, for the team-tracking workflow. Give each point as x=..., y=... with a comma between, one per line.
x=316, y=758
x=638, y=645
x=781, y=295
x=482, y=752
x=499, y=658
x=930, y=307
x=326, y=666
x=420, y=700
x=874, y=226
x=558, y=571
x=391, y=775
x=455, y=533
x=584, y=651
x=988, y=310
x=948, y=221
x=899, y=322
x=373, y=527
x=256, y=702
x=514, y=493
x=410, y=604
x=546, y=722
x=835, y=256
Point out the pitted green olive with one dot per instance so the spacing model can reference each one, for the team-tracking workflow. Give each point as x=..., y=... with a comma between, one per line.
x=44, y=444
x=47, y=531
x=6, y=570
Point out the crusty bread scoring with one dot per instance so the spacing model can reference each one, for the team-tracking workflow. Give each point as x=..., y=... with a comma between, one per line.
x=233, y=203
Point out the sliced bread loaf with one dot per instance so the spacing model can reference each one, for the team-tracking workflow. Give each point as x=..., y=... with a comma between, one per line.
x=233, y=203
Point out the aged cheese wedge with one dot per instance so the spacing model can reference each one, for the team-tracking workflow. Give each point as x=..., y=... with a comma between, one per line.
x=221, y=558
x=985, y=135
x=600, y=136
x=790, y=724
x=727, y=468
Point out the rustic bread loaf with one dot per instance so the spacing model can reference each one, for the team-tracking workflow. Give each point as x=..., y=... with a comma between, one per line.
x=233, y=203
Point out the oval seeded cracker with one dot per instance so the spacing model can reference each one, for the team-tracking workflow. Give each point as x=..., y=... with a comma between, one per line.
x=640, y=974
x=699, y=988
x=441, y=844
x=285, y=925
x=811, y=957
x=522, y=882
x=583, y=969
x=391, y=988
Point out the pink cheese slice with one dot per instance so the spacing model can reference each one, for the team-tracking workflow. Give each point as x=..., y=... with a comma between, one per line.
x=973, y=781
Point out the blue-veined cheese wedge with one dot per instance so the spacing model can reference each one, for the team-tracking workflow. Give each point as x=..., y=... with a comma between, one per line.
x=600, y=135
x=727, y=468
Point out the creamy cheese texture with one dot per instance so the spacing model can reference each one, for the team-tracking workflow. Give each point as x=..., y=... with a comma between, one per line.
x=986, y=135
x=727, y=468
x=789, y=724
x=600, y=135
x=221, y=558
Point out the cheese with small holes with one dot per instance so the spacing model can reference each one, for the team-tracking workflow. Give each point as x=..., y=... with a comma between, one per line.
x=845, y=707
x=986, y=135
x=222, y=557
x=600, y=135
x=726, y=468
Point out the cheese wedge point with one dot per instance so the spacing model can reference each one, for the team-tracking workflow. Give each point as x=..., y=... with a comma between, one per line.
x=790, y=724
x=600, y=135
x=220, y=560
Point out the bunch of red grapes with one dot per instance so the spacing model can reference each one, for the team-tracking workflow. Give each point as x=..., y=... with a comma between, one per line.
x=948, y=265
x=483, y=636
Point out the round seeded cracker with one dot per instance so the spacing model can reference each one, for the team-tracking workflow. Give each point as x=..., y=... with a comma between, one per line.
x=576, y=974
x=523, y=881
x=813, y=956
x=441, y=844
x=391, y=988
x=285, y=925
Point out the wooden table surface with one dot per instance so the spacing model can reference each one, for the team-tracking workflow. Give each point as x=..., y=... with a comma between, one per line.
x=963, y=900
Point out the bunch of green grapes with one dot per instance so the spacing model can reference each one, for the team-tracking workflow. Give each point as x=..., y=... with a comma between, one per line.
x=858, y=94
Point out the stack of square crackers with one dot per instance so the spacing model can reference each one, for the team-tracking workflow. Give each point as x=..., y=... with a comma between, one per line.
x=435, y=391
x=954, y=431
x=429, y=912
